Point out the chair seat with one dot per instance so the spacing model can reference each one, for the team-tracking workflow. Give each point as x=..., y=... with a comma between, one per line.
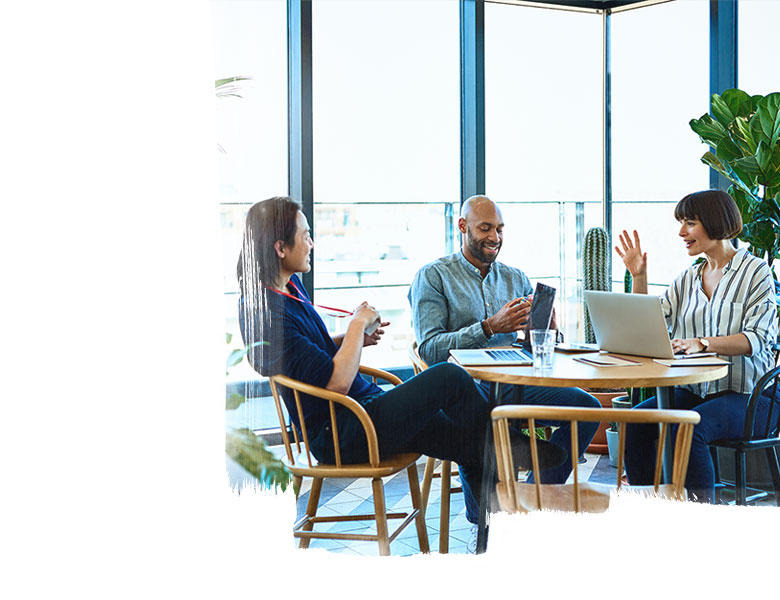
x=594, y=497
x=746, y=444
x=389, y=466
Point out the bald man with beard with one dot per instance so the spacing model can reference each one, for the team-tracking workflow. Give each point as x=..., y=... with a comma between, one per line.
x=471, y=300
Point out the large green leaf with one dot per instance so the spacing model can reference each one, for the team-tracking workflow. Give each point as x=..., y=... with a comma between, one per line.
x=708, y=129
x=726, y=170
x=746, y=203
x=727, y=150
x=249, y=451
x=744, y=137
x=730, y=104
x=768, y=210
x=768, y=161
x=761, y=235
x=768, y=114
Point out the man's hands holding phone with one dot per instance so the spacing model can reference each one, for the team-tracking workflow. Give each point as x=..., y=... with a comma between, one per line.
x=513, y=316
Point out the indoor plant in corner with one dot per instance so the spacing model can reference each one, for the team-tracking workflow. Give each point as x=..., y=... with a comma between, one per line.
x=743, y=132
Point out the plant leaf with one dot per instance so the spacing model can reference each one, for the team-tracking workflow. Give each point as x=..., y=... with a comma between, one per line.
x=768, y=115
x=727, y=150
x=249, y=451
x=708, y=129
x=233, y=401
x=743, y=135
x=236, y=356
x=228, y=337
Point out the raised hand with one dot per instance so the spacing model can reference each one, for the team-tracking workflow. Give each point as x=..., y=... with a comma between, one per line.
x=633, y=257
x=513, y=316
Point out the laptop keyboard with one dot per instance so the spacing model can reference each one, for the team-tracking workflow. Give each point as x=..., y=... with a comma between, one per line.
x=506, y=355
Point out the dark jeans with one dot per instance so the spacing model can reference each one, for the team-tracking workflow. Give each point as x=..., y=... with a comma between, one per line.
x=550, y=396
x=722, y=417
x=438, y=413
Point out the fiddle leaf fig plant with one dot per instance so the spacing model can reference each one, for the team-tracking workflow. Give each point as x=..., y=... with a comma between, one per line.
x=744, y=134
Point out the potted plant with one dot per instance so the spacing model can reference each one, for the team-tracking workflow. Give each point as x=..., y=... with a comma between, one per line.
x=743, y=132
x=623, y=401
x=246, y=448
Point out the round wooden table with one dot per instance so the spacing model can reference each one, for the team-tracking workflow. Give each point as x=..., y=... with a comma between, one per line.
x=568, y=372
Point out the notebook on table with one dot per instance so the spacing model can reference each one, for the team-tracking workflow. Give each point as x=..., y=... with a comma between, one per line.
x=492, y=357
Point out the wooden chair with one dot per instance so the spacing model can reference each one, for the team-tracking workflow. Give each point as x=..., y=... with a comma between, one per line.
x=302, y=463
x=757, y=436
x=514, y=496
x=430, y=473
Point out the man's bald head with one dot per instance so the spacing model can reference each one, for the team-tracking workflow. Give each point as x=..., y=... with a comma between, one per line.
x=482, y=227
x=472, y=202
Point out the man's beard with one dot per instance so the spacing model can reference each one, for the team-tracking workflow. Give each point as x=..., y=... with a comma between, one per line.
x=476, y=249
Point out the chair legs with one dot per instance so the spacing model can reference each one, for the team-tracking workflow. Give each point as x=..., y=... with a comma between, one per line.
x=430, y=465
x=414, y=489
x=381, y=516
x=444, y=520
x=774, y=469
x=740, y=478
x=311, y=508
x=446, y=490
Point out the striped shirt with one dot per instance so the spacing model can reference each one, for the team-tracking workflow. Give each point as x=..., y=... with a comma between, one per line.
x=743, y=302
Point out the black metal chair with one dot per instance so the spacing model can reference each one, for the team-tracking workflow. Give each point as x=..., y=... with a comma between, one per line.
x=757, y=436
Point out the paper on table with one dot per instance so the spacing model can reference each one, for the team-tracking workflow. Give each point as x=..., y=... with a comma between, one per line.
x=702, y=361
x=689, y=356
x=607, y=360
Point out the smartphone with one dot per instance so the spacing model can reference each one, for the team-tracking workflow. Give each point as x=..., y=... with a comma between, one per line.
x=542, y=306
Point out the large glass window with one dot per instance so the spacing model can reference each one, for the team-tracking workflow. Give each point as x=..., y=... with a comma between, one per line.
x=759, y=52
x=543, y=121
x=386, y=154
x=249, y=41
x=660, y=68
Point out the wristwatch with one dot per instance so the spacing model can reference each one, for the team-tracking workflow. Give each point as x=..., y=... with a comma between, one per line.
x=705, y=343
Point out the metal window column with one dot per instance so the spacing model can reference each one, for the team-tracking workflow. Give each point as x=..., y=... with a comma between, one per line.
x=299, y=114
x=472, y=98
x=607, y=126
x=723, y=60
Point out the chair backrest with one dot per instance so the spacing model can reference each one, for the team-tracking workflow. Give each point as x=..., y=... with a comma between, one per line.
x=686, y=419
x=418, y=363
x=293, y=448
x=766, y=386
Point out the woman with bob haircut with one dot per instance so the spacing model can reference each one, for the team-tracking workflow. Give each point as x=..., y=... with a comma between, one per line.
x=726, y=305
x=438, y=413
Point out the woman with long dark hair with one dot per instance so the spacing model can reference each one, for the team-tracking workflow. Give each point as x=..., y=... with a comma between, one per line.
x=438, y=413
x=725, y=304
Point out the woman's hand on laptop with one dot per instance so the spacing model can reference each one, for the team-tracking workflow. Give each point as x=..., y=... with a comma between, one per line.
x=689, y=346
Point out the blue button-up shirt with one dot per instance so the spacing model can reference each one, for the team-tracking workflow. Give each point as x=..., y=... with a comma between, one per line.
x=449, y=300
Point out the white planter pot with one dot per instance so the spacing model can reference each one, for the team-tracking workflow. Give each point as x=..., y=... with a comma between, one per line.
x=612, y=445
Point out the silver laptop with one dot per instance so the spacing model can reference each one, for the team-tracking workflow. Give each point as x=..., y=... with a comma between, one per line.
x=492, y=356
x=629, y=323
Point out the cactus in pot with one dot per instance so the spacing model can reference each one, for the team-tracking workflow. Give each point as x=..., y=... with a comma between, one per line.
x=596, y=270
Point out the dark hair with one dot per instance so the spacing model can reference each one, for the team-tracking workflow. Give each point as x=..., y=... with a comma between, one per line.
x=266, y=223
x=716, y=210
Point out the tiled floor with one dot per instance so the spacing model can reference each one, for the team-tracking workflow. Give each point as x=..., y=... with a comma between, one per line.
x=347, y=496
